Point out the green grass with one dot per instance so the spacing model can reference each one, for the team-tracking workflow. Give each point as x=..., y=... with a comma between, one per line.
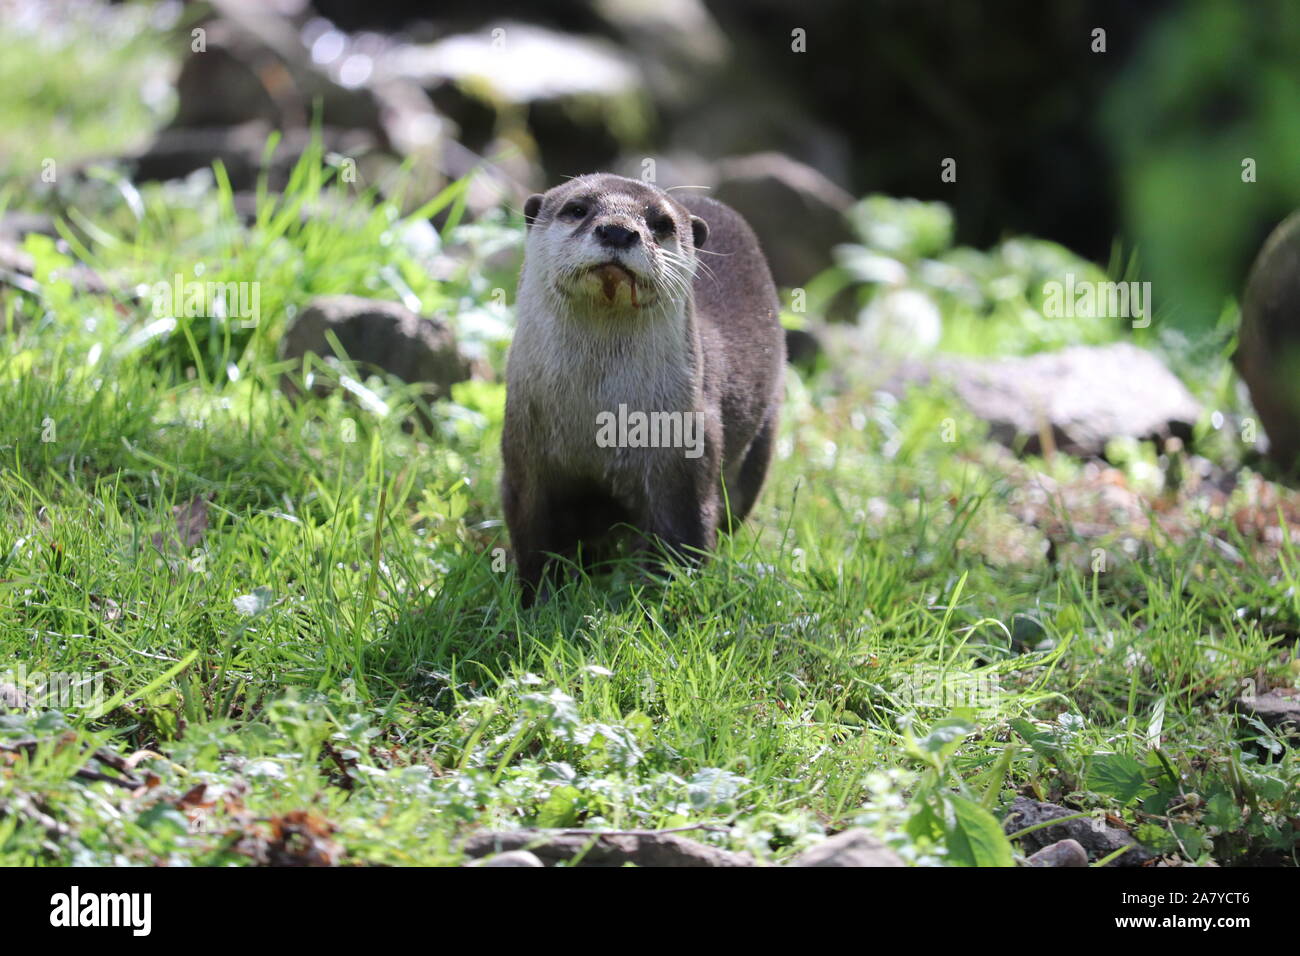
x=307, y=638
x=337, y=637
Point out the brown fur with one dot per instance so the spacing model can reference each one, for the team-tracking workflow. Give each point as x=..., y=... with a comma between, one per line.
x=660, y=331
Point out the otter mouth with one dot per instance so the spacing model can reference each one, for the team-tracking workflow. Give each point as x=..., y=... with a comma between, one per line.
x=611, y=276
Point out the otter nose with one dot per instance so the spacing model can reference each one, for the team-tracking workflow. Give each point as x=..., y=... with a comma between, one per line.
x=615, y=237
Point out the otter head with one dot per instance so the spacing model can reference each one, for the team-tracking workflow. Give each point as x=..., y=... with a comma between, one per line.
x=610, y=247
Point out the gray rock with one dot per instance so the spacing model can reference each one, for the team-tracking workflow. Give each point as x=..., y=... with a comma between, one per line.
x=855, y=847
x=1097, y=839
x=1060, y=853
x=16, y=223
x=1081, y=397
x=513, y=858
x=257, y=66
x=593, y=848
x=747, y=111
x=1268, y=344
x=262, y=70
x=678, y=44
x=1272, y=709
x=521, y=62
x=382, y=336
x=176, y=152
x=797, y=213
x=584, y=97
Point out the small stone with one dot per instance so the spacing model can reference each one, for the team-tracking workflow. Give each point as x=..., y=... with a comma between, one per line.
x=1097, y=838
x=856, y=847
x=513, y=858
x=383, y=336
x=594, y=848
x=1274, y=710
x=1078, y=398
x=1060, y=853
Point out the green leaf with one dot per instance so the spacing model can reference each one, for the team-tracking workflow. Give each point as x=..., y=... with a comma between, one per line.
x=561, y=807
x=1193, y=842
x=973, y=835
x=1043, y=742
x=1221, y=812
x=487, y=398
x=1155, y=838
x=1161, y=798
x=163, y=817
x=942, y=741
x=1118, y=776
x=924, y=825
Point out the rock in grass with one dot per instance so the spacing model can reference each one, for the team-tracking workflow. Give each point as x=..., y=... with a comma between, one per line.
x=798, y=214
x=513, y=858
x=856, y=847
x=1272, y=709
x=570, y=87
x=593, y=848
x=1268, y=345
x=1096, y=838
x=1077, y=398
x=1060, y=853
x=224, y=84
x=380, y=336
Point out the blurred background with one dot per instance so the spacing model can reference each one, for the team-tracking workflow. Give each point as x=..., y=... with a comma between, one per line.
x=1126, y=151
x=1134, y=151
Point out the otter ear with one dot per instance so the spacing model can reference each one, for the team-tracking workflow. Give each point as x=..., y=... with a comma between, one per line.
x=532, y=207
x=700, y=231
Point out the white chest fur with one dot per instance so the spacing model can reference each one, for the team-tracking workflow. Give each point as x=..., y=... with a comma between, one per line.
x=572, y=376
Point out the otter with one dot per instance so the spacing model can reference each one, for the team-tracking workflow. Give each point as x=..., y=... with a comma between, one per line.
x=644, y=382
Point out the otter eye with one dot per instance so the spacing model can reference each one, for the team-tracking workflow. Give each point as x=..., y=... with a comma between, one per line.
x=661, y=224
x=574, y=210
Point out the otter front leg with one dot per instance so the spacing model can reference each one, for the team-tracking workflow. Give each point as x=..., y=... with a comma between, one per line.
x=684, y=515
x=531, y=523
x=687, y=528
